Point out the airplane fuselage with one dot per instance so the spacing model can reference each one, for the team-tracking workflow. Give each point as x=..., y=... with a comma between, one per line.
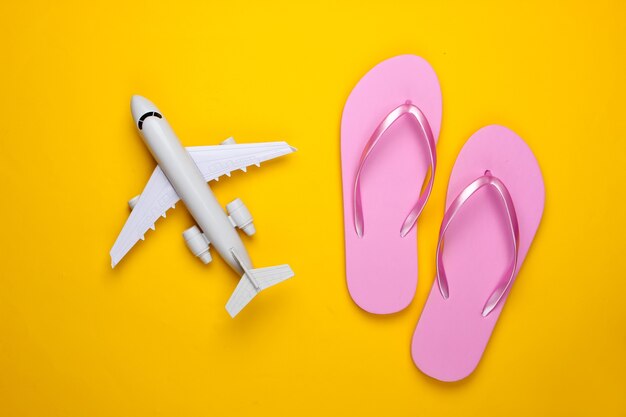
x=187, y=180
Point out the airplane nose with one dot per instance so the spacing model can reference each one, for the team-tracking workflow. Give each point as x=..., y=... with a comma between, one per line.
x=140, y=106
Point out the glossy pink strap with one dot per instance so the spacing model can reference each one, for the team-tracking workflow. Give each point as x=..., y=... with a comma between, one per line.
x=427, y=134
x=507, y=278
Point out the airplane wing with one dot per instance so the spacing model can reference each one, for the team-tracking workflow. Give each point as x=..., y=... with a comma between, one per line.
x=158, y=196
x=218, y=160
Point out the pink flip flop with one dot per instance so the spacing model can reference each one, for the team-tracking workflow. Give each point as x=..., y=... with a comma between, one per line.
x=494, y=206
x=389, y=130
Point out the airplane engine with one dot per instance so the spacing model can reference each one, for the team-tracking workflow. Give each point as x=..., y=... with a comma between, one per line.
x=240, y=216
x=198, y=244
x=133, y=201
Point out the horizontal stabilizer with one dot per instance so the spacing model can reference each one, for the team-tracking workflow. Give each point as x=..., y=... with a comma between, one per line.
x=252, y=282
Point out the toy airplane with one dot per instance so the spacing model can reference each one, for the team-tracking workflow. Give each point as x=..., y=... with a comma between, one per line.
x=182, y=174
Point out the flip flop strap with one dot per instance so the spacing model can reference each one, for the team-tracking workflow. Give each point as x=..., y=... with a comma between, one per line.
x=426, y=134
x=507, y=278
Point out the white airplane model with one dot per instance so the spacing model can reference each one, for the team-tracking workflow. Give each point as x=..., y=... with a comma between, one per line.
x=182, y=174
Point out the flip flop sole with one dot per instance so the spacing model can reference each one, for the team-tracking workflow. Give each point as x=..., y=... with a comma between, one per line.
x=381, y=267
x=451, y=334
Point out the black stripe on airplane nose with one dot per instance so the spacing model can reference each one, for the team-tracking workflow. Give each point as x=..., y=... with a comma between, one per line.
x=145, y=116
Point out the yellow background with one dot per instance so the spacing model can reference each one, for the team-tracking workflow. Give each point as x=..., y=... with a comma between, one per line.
x=151, y=338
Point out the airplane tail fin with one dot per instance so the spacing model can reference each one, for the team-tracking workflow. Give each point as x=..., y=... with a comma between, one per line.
x=254, y=281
